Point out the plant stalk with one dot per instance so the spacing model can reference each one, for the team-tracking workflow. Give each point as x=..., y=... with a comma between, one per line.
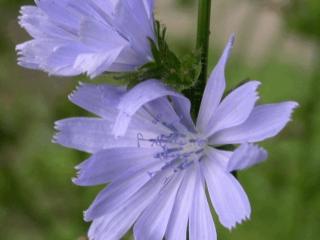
x=203, y=32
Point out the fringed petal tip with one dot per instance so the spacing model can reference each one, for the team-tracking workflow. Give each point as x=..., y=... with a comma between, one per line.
x=86, y=216
x=79, y=166
x=74, y=180
x=73, y=93
x=291, y=106
x=233, y=226
x=79, y=179
x=57, y=125
x=19, y=48
x=294, y=105
x=245, y=156
x=265, y=121
x=54, y=139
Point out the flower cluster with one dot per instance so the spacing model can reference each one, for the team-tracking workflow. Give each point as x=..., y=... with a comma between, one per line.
x=157, y=162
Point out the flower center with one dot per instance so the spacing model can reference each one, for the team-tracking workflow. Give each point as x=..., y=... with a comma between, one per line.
x=178, y=150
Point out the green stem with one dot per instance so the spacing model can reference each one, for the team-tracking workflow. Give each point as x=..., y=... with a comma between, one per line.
x=203, y=32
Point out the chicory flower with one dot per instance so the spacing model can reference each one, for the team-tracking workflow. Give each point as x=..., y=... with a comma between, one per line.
x=158, y=163
x=71, y=37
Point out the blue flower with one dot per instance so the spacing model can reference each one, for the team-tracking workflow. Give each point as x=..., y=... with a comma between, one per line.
x=158, y=163
x=71, y=37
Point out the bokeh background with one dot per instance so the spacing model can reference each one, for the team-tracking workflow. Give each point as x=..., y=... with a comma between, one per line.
x=278, y=43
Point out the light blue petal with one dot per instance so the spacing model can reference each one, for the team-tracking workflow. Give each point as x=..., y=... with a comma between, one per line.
x=220, y=157
x=234, y=109
x=122, y=189
x=97, y=227
x=201, y=225
x=107, y=165
x=142, y=94
x=143, y=10
x=264, y=122
x=89, y=135
x=58, y=12
x=214, y=89
x=246, y=156
x=131, y=20
x=36, y=23
x=61, y=60
x=153, y=222
x=46, y=54
x=162, y=112
x=149, y=5
x=182, y=107
x=118, y=222
x=100, y=36
x=99, y=99
x=227, y=196
x=177, y=227
x=95, y=64
x=99, y=10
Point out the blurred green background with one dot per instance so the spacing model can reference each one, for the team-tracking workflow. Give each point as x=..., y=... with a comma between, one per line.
x=278, y=43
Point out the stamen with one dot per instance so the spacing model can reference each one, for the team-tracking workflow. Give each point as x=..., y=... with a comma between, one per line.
x=178, y=151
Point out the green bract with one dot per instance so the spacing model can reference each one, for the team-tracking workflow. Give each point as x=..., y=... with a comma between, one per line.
x=179, y=73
